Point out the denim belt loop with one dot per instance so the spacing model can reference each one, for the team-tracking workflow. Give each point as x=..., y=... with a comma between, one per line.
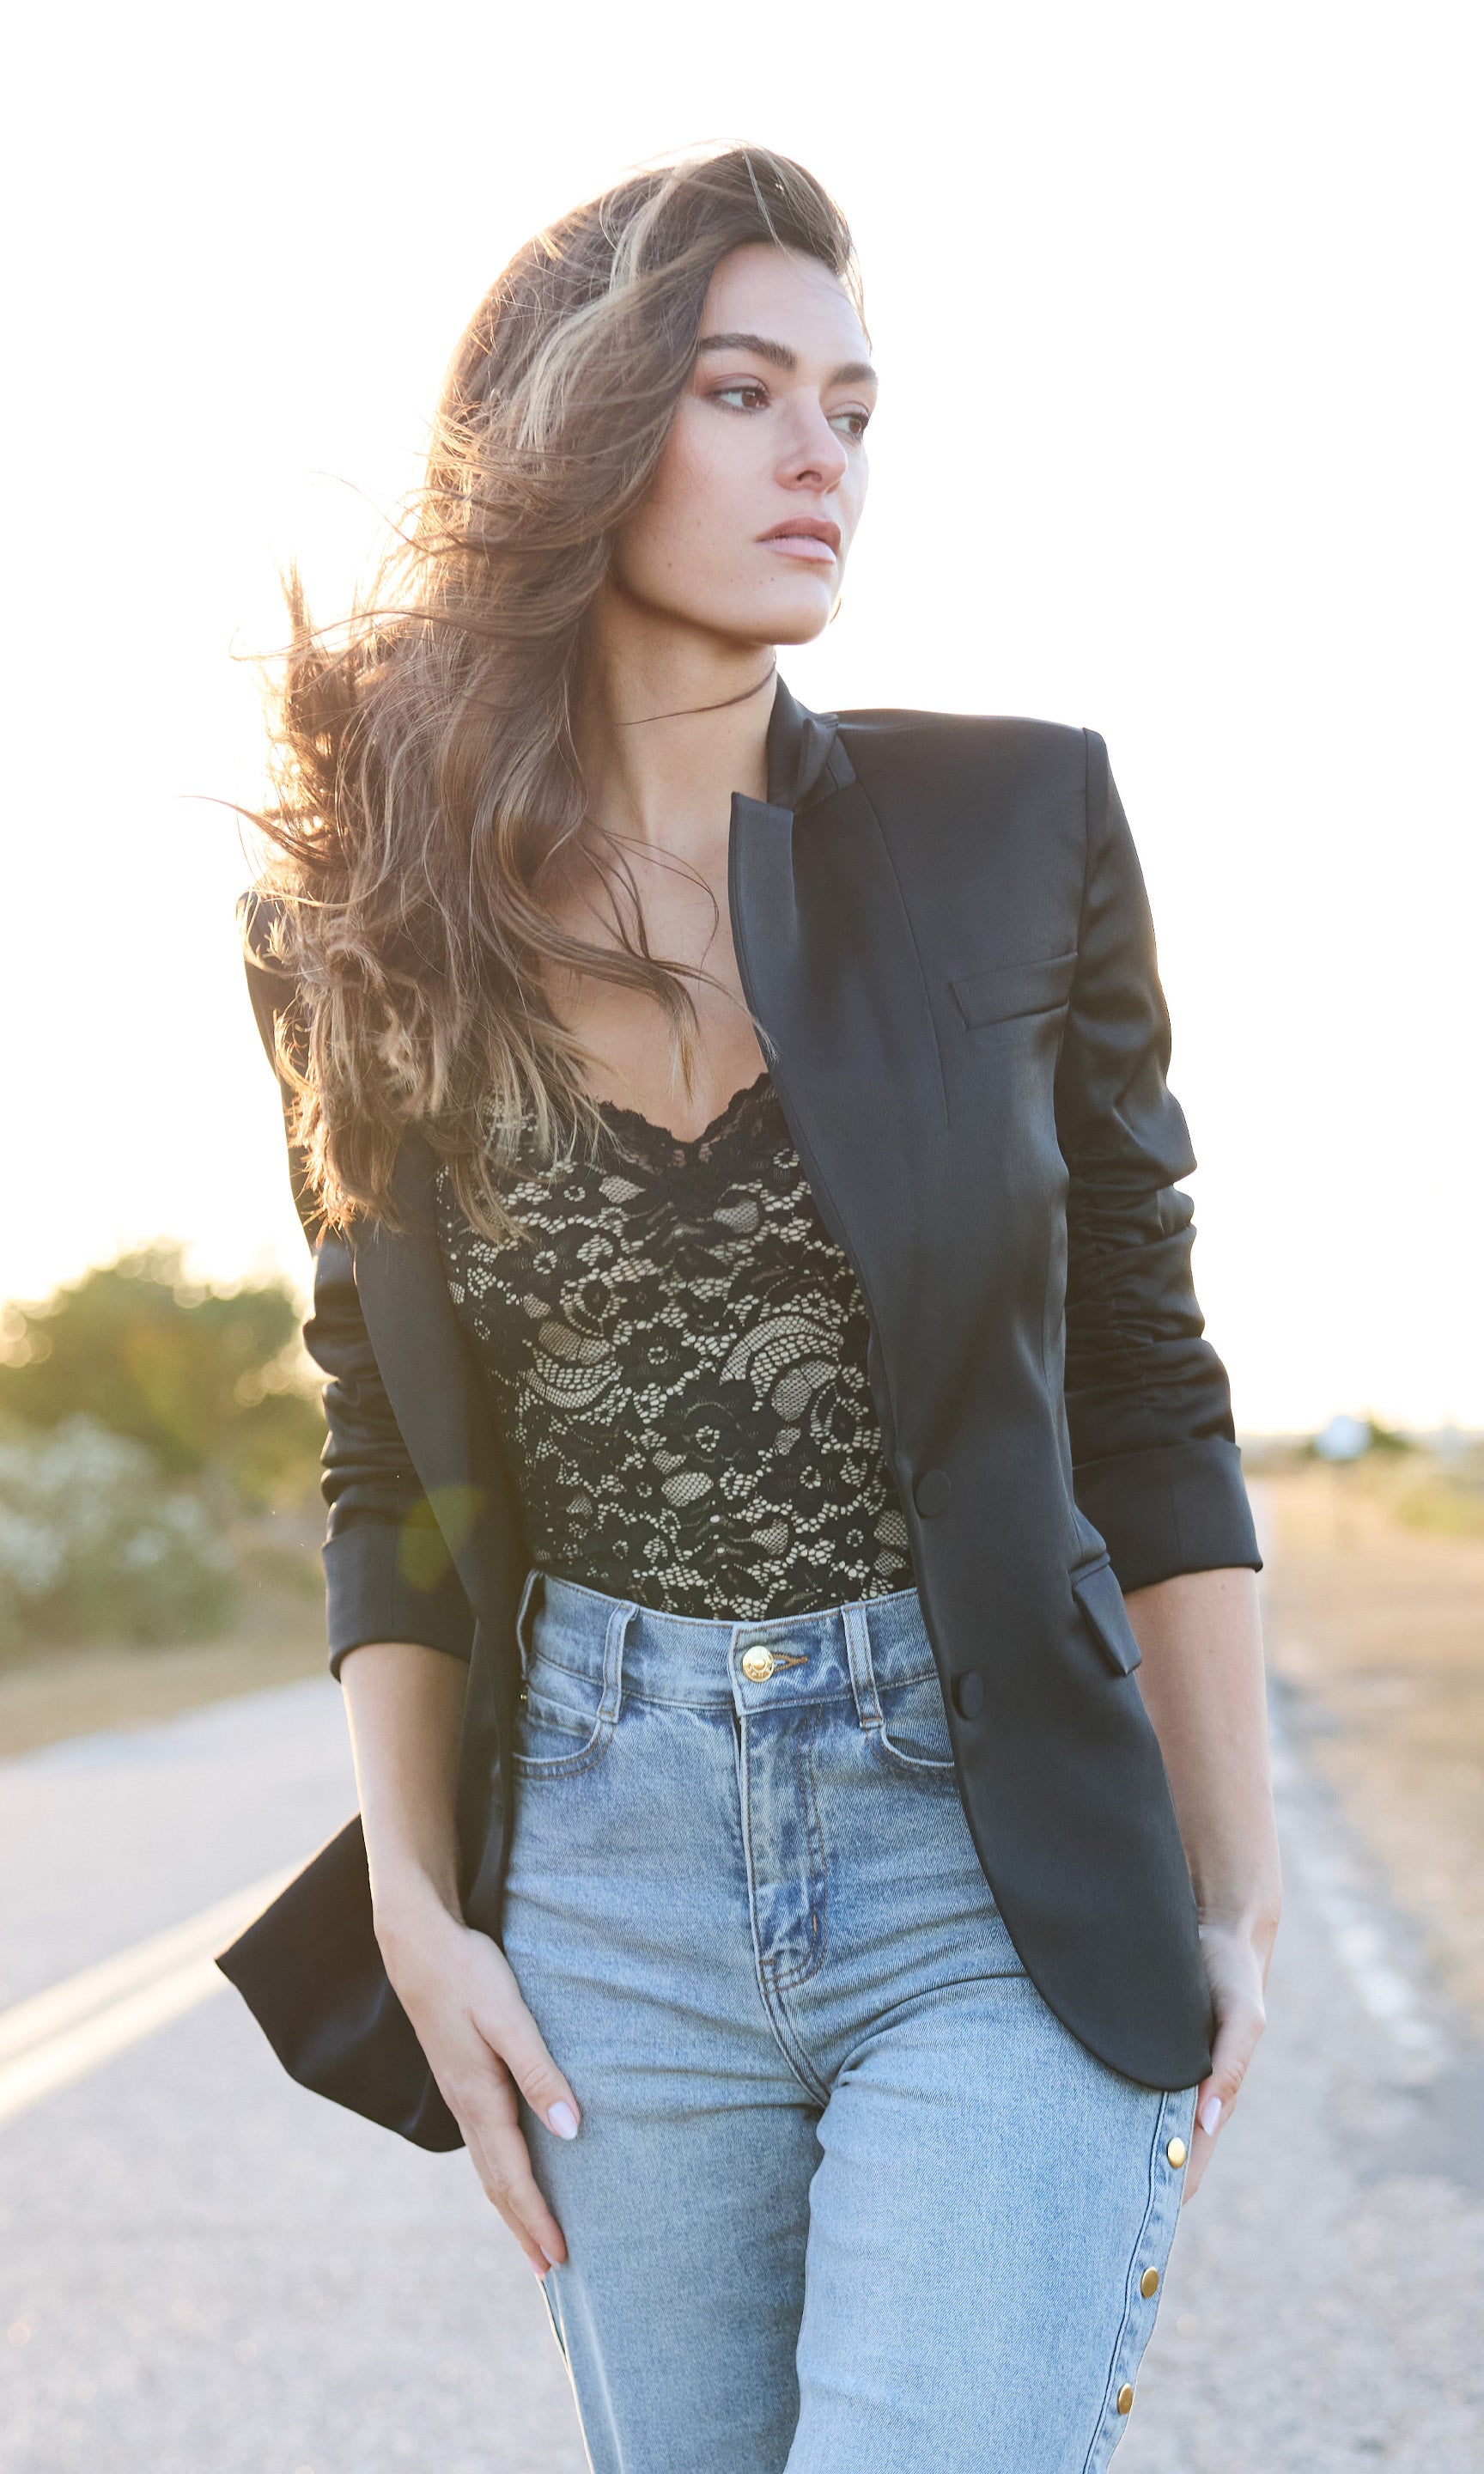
x=521, y=1612
x=863, y=1680
x=617, y=1634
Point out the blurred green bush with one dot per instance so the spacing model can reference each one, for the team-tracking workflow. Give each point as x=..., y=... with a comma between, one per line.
x=203, y=1378
x=93, y=1546
x=139, y=1415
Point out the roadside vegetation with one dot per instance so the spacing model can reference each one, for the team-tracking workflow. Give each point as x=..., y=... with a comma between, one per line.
x=158, y=1445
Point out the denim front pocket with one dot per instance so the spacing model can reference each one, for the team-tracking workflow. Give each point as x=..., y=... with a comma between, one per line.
x=914, y=1730
x=563, y=1723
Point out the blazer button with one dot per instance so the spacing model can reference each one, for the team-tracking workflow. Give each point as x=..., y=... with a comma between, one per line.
x=933, y=1493
x=969, y=1696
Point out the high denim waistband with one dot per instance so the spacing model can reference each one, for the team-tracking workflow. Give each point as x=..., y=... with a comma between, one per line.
x=854, y=1650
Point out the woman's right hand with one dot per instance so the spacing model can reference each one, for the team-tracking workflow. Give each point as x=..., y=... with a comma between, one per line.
x=459, y=1990
x=406, y=1709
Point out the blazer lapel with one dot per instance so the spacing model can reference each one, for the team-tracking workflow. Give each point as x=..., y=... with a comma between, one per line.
x=832, y=975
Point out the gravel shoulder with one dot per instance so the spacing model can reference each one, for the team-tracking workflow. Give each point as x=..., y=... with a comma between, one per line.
x=52, y=1695
x=1378, y=1629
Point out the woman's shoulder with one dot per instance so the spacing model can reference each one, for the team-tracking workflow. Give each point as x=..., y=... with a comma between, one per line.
x=926, y=756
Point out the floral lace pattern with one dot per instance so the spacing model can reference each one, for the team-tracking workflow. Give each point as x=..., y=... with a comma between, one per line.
x=677, y=1353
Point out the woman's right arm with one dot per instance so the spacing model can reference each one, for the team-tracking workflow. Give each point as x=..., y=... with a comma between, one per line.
x=405, y=1704
x=400, y=1635
x=402, y=1631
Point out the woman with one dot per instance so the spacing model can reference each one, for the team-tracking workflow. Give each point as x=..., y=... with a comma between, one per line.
x=756, y=1308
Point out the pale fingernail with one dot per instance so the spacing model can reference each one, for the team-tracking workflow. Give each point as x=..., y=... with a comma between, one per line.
x=563, y=2119
x=1210, y=2115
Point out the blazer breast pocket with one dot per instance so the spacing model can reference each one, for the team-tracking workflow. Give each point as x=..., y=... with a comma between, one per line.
x=1007, y=990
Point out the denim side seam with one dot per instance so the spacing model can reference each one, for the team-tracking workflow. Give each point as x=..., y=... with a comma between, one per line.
x=1111, y=2424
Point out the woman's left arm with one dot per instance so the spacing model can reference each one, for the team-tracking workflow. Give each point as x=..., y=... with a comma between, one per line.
x=1202, y=1679
x=1156, y=1467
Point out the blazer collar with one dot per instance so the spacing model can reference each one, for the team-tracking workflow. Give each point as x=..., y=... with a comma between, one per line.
x=806, y=759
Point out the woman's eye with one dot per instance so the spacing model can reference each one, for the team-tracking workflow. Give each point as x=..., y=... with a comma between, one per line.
x=742, y=398
x=853, y=423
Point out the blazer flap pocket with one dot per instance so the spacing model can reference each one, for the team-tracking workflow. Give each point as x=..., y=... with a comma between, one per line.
x=1012, y=988
x=1101, y=1600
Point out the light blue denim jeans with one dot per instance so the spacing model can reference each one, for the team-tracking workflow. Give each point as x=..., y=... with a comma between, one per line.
x=846, y=2197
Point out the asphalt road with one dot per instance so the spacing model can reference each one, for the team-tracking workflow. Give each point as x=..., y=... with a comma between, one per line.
x=204, y=2271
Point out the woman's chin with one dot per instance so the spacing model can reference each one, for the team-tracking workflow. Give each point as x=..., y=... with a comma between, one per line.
x=797, y=618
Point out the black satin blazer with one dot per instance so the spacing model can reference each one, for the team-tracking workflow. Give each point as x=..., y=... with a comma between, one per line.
x=943, y=938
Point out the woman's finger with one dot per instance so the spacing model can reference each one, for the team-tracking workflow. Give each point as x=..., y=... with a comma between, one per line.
x=509, y=2028
x=488, y=2117
x=505, y=2175
x=1235, y=2042
x=483, y=2044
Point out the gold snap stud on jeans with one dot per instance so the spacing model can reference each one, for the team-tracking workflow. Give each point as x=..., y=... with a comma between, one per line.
x=757, y=1665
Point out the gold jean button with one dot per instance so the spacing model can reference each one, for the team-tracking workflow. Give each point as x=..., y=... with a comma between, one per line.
x=1149, y=2284
x=1125, y=2399
x=1176, y=2152
x=757, y=1665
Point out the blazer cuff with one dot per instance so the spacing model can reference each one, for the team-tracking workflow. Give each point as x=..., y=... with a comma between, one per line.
x=371, y=1594
x=1181, y=1508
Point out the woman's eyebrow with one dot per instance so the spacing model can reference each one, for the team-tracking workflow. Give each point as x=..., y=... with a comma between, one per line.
x=778, y=354
x=849, y=373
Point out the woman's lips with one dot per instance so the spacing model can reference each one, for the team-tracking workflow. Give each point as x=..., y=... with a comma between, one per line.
x=809, y=537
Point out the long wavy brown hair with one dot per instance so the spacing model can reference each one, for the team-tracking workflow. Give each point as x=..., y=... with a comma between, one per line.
x=427, y=794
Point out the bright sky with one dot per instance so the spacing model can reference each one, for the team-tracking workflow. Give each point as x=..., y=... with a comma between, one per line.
x=1176, y=314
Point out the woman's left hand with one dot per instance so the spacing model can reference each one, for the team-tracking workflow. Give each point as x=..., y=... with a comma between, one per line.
x=1236, y=1965
x=1203, y=1685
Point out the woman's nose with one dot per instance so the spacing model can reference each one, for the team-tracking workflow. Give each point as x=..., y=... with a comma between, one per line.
x=816, y=453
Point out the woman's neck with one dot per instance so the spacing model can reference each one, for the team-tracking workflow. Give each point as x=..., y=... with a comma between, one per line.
x=672, y=721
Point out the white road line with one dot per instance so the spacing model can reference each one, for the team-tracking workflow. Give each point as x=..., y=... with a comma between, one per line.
x=61, y=2035
x=1381, y=1980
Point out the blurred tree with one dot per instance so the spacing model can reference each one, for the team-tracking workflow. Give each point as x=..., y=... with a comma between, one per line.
x=203, y=1378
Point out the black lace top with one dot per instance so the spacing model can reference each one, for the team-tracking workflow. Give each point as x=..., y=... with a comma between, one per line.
x=677, y=1364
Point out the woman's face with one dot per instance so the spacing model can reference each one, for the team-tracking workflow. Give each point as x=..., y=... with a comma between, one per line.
x=746, y=531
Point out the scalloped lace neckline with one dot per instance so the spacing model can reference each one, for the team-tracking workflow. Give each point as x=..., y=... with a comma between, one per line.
x=614, y=1115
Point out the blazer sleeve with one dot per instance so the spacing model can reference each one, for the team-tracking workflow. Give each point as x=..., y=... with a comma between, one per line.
x=387, y=1575
x=1156, y=1466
